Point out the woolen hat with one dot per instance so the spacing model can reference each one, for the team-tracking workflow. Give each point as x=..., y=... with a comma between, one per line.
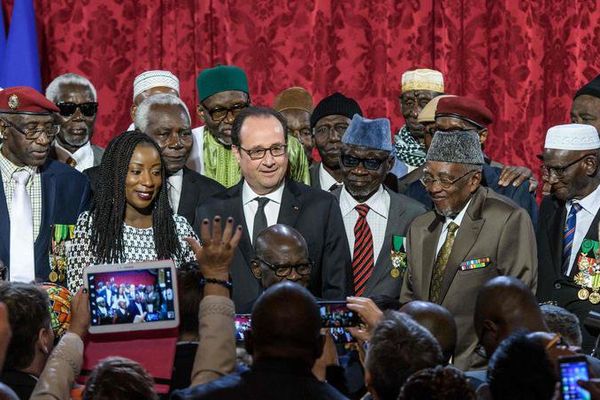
x=461, y=147
x=221, y=78
x=336, y=104
x=371, y=133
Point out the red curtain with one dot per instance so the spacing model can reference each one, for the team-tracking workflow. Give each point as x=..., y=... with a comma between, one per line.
x=523, y=58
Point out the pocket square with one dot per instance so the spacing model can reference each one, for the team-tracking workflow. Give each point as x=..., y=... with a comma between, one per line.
x=475, y=263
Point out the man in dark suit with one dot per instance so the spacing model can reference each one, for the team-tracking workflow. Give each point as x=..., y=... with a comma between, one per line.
x=166, y=119
x=265, y=197
x=375, y=218
x=567, y=234
x=285, y=342
x=40, y=199
x=472, y=236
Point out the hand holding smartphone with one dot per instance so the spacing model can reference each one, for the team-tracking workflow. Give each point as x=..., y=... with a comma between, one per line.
x=573, y=369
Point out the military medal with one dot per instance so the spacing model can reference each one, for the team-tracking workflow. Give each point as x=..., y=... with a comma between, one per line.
x=395, y=273
x=53, y=276
x=61, y=236
x=583, y=294
x=595, y=298
x=398, y=257
x=588, y=277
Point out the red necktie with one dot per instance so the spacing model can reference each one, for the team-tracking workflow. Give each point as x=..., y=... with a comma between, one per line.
x=362, y=260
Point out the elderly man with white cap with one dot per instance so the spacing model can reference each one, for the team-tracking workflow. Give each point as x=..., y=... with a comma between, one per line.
x=567, y=234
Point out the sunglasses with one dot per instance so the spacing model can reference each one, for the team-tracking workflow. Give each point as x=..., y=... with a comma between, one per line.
x=87, y=109
x=372, y=164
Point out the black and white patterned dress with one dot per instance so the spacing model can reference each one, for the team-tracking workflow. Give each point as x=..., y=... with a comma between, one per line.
x=138, y=245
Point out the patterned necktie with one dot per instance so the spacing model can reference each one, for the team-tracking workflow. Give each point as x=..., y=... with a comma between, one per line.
x=22, y=264
x=362, y=259
x=440, y=264
x=260, y=218
x=569, y=235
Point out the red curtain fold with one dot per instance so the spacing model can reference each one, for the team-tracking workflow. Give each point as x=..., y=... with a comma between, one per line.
x=523, y=58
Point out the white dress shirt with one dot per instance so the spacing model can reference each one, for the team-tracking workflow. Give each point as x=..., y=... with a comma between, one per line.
x=84, y=156
x=251, y=206
x=175, y=184
x=457, y=220
x=377, y=217
x=325, y=179
x=590, y=205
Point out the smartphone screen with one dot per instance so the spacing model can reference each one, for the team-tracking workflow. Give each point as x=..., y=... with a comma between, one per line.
x=341, y=336
x=242, y=324
x=337, y=315
x=573, y=369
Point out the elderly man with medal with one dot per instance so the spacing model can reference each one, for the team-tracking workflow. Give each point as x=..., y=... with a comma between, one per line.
x=567, y=235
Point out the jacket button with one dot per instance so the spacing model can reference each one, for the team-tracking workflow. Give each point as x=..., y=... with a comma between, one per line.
x=557, y=286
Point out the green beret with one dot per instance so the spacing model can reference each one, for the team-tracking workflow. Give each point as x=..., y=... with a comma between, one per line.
x=221, y=78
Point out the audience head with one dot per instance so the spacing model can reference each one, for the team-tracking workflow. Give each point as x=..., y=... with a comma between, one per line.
x=166, y=119
x=259, y=143
x=190, y=295
x=419, y=86
x=437, y=320
x=286, y=332
x=563, y=322
x=398, y=348
x=118, y=378
x=586, y=104
x=452, y=170
x=458, y=113
x=149, y=83
x=296, y=105
x=571, y=160
x=329, y=122
x=505, y=305
x=32, y=337
x=281, y=254
x=130, y=186
x=521, y=370
x=77, y=100
x=27, y=126
x=222, y=93
x=427, y=119
x=366, y=156
x=438, y=383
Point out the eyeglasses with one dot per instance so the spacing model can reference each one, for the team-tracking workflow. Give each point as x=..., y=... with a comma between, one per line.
x=559, y=172
x=283, y=271
x=325, y=129
x=51, y=130
x=87, y=109
x=372, y=164
x=444, y=182
x=218, y=114
x=256, y=154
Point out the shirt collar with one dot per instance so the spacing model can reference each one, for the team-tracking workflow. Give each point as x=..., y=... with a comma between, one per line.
x=249, y=195
x=177, y=175
x=458, y=219
x=326, y=179
x=591, y=202
x=81, y=153
x=376, y=202
x=8, y=168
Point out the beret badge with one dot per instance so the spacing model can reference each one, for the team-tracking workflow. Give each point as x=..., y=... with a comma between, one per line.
x=13, y=101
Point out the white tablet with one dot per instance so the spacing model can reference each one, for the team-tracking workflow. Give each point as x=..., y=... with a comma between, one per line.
x=132, y=297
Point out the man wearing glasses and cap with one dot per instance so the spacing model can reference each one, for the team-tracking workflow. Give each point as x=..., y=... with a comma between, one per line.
x=76, y=98
x=39, y=198
x=471, y=236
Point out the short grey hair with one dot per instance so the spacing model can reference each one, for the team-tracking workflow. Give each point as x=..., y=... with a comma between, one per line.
x=142, y=113
x=68, y=79
x=559, y=320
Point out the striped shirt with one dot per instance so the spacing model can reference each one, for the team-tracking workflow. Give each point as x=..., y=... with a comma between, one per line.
x=34, y=188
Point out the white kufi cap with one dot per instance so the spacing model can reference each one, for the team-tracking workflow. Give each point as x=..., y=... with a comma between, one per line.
x=151, y=79
x=572, y=137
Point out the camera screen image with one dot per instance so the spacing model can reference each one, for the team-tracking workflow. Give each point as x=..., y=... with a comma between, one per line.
x=337, y=315
x=242, y=324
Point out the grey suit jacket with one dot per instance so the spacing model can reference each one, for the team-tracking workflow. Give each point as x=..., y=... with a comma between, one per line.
x=494, y=227
x=98, y=153
x=403, y=210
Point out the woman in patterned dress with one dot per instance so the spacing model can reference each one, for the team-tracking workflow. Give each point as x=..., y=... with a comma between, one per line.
x=130, y=219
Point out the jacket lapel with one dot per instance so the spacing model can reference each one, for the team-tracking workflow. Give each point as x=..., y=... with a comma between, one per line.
x=291, y=204
x=4, y=226
x=557, y=225
x=235, y=206
x=188, y=195
x=430, y=235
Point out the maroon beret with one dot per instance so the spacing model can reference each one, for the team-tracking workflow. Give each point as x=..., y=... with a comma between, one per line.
x=466, y=109
x=25, y=100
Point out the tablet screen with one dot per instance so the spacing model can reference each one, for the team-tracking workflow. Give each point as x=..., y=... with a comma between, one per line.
x=140, y=296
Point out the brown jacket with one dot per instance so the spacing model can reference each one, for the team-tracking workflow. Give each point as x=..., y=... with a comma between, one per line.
x=493, y=227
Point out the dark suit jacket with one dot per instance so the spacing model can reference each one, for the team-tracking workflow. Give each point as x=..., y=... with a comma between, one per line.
x=489, y=178
x=21, y=382
x=403, y=210
x=315, y=214
x=195, y=189
x=553, y=285
x=492, y=227
x=65, y=194
x=271, y=379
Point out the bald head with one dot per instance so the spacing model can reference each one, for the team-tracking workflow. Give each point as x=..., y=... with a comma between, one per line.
x=504, y=305
x=437, y=320
x=281, y=246
x=286, y=324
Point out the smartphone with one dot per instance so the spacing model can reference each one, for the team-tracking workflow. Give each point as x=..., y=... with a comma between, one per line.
x=336, y=314
x=573, y=369
x=242, y=324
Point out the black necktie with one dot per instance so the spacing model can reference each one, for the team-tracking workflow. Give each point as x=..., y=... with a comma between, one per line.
x=335, y=186
x=260, y=219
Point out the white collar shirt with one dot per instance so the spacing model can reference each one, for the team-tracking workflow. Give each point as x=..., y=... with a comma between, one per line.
x=251, y=206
